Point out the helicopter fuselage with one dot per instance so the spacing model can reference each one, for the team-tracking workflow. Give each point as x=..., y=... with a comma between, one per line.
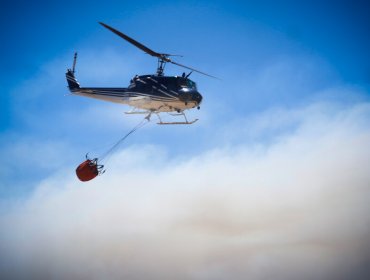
x=151, y=93
x=147, y=92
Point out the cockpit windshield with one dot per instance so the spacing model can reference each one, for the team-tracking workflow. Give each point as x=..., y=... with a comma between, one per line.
x=186, y=83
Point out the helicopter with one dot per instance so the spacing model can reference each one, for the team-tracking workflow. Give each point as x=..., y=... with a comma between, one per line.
x=147, y=94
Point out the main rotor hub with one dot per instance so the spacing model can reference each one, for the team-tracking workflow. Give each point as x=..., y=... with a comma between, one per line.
x=161, y=64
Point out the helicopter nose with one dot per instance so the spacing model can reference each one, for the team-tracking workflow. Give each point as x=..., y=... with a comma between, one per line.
x=187, y=95
x=197, y=97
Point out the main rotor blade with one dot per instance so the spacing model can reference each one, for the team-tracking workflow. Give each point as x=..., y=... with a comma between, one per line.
x=163, y=57
x=132, y=41
x=173, y=62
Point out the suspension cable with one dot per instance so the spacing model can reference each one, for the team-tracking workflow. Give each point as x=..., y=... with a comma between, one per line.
x=115, y=146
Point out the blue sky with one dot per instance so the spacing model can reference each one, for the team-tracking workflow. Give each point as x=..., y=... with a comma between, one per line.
x=266, y=30
x=292, y=102
x=309, y=47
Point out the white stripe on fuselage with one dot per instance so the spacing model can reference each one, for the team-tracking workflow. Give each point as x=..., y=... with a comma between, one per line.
x=137, y=99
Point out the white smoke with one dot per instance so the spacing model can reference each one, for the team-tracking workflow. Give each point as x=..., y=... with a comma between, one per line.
x=295, y=207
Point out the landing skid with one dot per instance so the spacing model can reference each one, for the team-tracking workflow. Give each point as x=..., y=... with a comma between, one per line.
x=185, y=122
x=149, y=113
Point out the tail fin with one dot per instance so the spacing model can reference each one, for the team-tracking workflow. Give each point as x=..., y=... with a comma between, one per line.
x=71, y=80
x=70, y=75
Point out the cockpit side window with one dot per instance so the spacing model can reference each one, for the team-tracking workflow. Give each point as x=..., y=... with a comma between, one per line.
x=191, y=84
x=186, y=83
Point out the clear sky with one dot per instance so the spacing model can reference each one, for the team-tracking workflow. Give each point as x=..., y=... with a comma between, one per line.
x=284, y=135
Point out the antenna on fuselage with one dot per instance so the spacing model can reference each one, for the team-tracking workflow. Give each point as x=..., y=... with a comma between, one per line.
x=187, y=76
